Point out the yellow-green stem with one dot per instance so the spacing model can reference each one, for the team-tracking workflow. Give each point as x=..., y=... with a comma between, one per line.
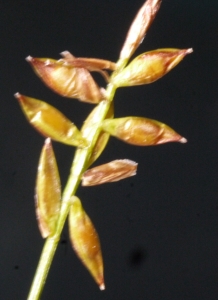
x=79, y=165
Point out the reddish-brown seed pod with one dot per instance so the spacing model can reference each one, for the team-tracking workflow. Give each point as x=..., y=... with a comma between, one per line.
x=48, y=191
x=91, y=64
x=67, y=80
x=149, y=67
x=85, y=241
x=50, y=122
x=110, y=172
x=93, y=120
x=139, y=27
x=141, y=131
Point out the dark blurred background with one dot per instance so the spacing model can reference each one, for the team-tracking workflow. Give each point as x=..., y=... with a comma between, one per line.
x=159, y=229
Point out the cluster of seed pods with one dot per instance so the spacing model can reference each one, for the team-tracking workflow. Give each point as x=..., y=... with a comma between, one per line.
x=71, y=77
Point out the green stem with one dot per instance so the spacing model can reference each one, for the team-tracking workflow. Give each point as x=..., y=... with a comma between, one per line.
x=78, y=167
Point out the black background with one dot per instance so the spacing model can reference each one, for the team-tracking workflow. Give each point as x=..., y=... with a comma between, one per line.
x=159, y=229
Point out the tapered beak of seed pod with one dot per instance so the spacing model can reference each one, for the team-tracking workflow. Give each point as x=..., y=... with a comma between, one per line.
x=149, y=67
x=67, y=80
x=50, y=122
x=110, y=172
x=85, y=241
x=141, y=131
x=139, y=27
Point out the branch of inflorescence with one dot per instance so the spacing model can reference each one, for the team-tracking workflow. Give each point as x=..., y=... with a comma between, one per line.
x=78, y=167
